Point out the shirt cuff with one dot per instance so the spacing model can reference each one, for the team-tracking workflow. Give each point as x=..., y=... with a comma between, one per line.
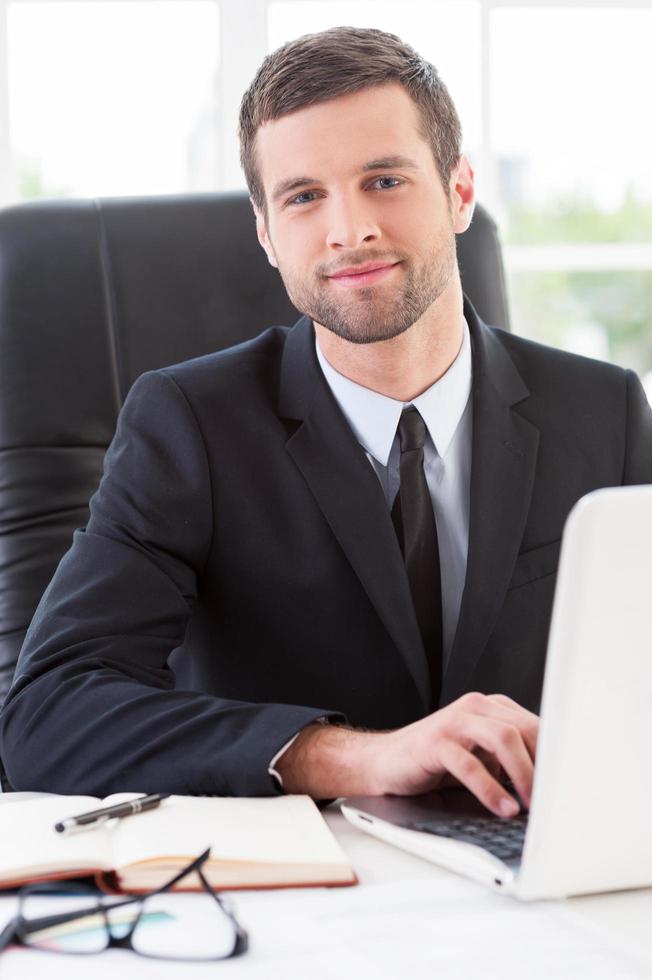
x=324, y=720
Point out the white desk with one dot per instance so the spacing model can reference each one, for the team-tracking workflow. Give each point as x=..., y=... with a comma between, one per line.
x=407, y=917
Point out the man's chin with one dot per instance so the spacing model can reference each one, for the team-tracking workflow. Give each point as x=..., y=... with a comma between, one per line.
x=368, y=333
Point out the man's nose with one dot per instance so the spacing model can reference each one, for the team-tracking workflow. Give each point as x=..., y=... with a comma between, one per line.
x=350, y=223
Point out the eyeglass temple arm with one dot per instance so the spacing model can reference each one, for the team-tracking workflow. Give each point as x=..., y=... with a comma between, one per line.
x=8, y=934
x=195, y=866
x=242, y=938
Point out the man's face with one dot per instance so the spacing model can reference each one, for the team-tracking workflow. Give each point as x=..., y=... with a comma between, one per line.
x=350, y=185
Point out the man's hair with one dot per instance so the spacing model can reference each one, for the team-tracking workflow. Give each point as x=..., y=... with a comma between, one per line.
x=319, y=67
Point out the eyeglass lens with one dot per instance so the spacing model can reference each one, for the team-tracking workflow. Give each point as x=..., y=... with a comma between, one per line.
x=193, y=928
x=87, y=934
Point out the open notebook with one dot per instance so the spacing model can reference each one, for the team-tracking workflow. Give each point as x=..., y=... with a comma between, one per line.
x=263, y=842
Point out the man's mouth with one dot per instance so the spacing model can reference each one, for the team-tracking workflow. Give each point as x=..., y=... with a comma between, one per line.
x=363, y=275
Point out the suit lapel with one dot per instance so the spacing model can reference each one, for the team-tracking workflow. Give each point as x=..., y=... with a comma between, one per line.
x=350, y=496
x=502, y=475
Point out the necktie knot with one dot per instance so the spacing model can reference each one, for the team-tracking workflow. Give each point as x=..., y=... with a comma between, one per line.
x=411, y=430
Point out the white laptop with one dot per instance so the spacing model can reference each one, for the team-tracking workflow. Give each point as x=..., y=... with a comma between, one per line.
x=590, y=823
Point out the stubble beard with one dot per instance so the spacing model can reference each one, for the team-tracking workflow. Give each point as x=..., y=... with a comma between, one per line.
x=372, y=314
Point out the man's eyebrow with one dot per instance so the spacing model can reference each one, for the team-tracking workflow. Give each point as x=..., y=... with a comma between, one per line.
x=396, y=162
x=292, y=184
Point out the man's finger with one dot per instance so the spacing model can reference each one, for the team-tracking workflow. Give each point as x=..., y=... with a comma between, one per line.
x=490, y=763
x=470, y=772
x=502, y=708
x=505, y=742
x=514, y=705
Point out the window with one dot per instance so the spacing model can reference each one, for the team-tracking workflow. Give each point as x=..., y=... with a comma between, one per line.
x=112, y=98
x=572, y=159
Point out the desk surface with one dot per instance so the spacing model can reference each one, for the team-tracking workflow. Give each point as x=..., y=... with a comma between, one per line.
x=406, y=916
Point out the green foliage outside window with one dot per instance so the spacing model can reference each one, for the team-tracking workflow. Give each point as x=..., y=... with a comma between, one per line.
x=576, y=220
x=604, y=313
x=615, y=306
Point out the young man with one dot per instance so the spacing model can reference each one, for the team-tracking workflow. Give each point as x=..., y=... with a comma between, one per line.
x=355, y=521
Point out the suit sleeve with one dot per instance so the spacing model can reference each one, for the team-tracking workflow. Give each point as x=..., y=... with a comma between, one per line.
x=638, y=446
x=93, y=708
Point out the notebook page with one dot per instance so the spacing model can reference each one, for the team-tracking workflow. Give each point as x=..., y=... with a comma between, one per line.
x=30, y=845
x=281, y=829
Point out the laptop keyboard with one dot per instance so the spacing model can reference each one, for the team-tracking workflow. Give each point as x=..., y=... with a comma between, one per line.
x=503, y=838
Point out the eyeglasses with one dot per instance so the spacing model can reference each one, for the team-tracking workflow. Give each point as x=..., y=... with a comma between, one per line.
x=193, y=927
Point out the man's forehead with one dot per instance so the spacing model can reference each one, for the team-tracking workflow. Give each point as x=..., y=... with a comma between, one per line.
x=349, y=129
x=380, y=104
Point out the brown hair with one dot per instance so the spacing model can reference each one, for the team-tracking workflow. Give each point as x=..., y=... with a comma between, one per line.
x=318, y=67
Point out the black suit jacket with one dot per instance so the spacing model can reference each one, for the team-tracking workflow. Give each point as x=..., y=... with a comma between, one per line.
x=239, y=575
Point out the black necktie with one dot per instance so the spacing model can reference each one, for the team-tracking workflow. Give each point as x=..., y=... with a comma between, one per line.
x=416, y=530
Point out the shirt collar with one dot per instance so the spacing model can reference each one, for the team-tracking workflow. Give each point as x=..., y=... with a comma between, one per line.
x=374, y=417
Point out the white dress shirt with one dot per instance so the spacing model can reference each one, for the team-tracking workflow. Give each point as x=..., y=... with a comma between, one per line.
x=447, y=412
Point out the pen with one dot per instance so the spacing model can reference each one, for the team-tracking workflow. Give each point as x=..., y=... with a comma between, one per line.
x=126, y=809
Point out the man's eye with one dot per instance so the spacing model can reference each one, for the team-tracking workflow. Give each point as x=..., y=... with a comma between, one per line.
x=303, y=194
x=307, y=197
x=395, y=182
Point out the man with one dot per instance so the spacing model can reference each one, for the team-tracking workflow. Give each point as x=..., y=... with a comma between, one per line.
x=267, y=512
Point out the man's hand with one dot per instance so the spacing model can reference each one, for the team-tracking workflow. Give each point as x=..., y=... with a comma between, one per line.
x=470, y=742
x=473, y=740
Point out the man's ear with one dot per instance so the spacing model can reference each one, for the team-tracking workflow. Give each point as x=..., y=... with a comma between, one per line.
x=462, y=194
x=263, y=237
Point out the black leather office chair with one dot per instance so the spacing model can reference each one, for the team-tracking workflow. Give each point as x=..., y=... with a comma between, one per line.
x=93, y=293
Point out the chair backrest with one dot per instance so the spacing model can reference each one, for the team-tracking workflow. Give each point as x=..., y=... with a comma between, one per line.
x=93, y=293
